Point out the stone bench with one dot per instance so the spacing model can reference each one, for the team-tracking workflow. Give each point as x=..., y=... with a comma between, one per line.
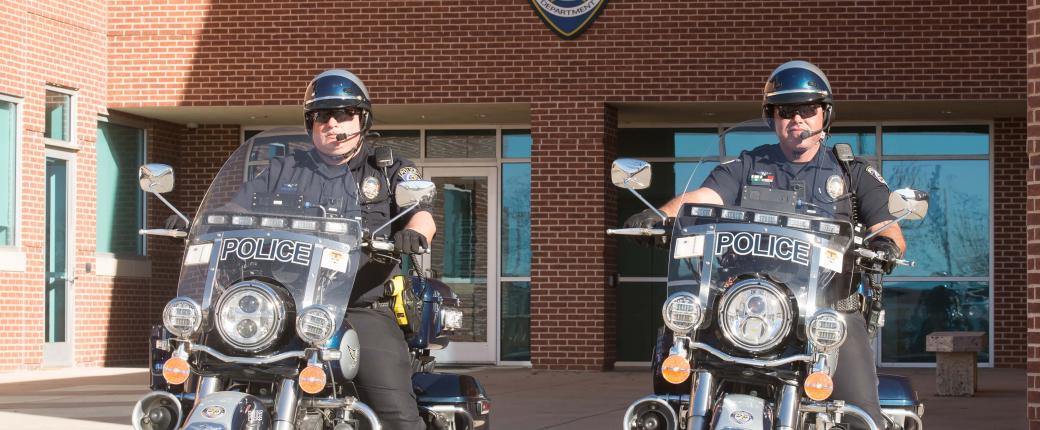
x=956, y=368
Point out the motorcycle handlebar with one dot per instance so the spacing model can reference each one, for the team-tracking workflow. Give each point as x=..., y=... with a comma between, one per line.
x=635, y=231
x=866, y=253
x=387, y=246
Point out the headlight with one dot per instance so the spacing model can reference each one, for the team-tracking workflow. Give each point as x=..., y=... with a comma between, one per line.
x=250, y=316
x=755, y=315
x=182, y=317
x=451, y=318
x=315, y=325
x=826, y=330
x=682, y=312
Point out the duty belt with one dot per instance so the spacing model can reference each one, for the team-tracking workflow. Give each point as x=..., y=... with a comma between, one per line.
x=850, y=303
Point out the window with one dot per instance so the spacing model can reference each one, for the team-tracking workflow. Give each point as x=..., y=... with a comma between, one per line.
x=8, y=171
x=949, y=289
x=516, y=246
x=58, y=124
x=120, y=202
x=460, y=143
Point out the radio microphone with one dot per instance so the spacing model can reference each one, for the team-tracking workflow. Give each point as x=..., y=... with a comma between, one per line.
x=807, y=134
x=345, y=136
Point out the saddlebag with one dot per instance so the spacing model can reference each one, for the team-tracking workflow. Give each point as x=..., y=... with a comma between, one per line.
x=460, y=398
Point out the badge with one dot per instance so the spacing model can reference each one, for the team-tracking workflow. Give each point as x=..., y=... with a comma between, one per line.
x=568, y=18
x=835, y=186
x=213, y=412
x=873, y=172
x=409, y=174
x=761, y=178
x=370, y=187
x=741, y=417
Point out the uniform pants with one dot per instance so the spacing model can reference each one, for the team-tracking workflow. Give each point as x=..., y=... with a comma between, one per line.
x=855, y=379
x=384, y=379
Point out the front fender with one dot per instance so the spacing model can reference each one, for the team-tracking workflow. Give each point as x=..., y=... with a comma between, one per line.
x=230, y=410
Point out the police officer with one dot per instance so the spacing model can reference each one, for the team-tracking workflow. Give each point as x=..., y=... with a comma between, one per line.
x=340, y=174
x=797, y=104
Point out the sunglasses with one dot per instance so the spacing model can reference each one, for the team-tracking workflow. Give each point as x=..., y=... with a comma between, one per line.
x=807, y=110
x=341, y=115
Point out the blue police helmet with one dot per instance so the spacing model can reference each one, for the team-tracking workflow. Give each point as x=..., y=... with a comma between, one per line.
x=797, y=82
x=336, y=89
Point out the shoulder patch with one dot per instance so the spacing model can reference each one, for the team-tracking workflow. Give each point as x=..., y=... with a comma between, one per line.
x=409, y=174
x=877, y=175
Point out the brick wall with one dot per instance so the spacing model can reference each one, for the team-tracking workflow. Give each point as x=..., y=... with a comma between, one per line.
x=1032, y=227
x=572, y=307
x=197, y=53
x=1009, y=229
x=46, y=44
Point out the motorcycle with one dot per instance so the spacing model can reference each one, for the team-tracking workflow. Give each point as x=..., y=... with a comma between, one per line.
x=752, y=328
x=257, y=336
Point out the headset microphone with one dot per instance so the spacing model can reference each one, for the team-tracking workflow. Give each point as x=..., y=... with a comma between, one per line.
x=807, y=134
x=345, y=136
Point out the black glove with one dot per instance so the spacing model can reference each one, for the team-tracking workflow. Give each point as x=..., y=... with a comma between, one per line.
x=409, y=241
x=174, y=222
x=887, y=246
x=647, y=219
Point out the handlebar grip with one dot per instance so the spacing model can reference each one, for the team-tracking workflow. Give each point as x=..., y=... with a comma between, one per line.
x=163, y=232
x=381, y=245
x=907, y=263
x=635, y=231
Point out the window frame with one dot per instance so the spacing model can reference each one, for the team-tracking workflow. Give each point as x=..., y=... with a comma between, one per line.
x=72, y=143
x=125, y=265
x=12, y=258
x=989, y=279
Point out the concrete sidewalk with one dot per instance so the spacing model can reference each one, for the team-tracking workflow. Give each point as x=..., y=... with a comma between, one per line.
x=523, y=399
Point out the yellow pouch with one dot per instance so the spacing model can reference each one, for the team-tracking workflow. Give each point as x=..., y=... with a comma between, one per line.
x=398, y=300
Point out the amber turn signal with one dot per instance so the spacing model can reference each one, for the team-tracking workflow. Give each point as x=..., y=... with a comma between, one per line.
x=312, y=379
x=819, y=386
x=176, y=371
x=675, y=369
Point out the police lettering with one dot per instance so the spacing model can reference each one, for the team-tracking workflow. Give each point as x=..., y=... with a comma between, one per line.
x=267, y=249
x=763, y=245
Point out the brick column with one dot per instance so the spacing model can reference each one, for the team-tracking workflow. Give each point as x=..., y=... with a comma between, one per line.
x=1009, y=259
x=572, y=205
x=1033, y=213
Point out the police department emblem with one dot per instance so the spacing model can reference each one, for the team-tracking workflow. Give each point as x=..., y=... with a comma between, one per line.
x=409, y=174
x=213, y=412
x=835, y=186
x=568, y=18
x=873, y=172
x=370, y=187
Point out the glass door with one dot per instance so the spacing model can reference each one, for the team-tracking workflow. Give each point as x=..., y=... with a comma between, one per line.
x=58, y=279
x=463, y=256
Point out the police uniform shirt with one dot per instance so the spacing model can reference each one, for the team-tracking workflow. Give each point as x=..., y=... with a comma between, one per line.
x=819, y=182
x=332, y=189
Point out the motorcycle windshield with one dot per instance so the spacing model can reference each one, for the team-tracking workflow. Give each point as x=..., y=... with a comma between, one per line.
x=715, y=247
x=772, y=236
x=241, y=233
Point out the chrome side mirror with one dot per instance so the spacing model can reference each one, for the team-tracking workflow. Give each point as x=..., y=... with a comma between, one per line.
x=409, y=193
x=907, y=203
x=155, y=178
x=630, y=173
